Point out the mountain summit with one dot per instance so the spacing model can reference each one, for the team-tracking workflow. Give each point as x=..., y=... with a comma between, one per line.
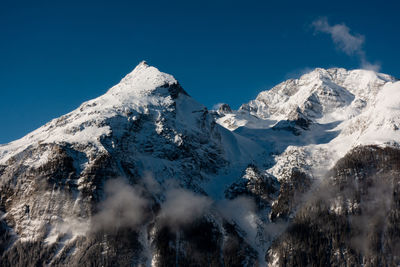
x=144, y=87
x=352, y=105
x=144, y=175
x=144, y=80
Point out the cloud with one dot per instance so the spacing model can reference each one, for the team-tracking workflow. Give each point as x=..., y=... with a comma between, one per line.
x=182, y=207
x=368, y=65
x=129, y=206
x=150, y=183
x=347, y=42
x=68, y=228
x=375, y=207
x=341, y=36
x=241, y=210
x=257, y=233
x=124, y=206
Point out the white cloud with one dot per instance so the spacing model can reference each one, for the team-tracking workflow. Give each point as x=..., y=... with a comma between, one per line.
x=368, y=65
x=349, y=43
x=124, y=206
x=182, y=207
x=341, y=36
x=242, y=210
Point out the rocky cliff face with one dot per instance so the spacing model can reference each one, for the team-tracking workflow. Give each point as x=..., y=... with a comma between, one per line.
x=146, y=176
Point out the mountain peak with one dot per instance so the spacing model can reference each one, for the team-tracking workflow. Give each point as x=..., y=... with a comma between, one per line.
x=320, y=95
x=143, y=63
x=143, y=80
x=142, y=89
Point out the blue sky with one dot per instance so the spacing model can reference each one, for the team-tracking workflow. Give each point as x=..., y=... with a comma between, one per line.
x=56, y=54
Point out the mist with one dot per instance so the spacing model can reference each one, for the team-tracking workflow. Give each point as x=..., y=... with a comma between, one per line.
x=124, y=206
x=182, y=207
x=241, y=210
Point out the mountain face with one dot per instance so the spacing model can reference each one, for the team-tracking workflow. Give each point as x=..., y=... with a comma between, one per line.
x=305, y=174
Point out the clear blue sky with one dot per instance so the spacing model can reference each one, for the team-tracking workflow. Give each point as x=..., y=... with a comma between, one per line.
x=56, y=54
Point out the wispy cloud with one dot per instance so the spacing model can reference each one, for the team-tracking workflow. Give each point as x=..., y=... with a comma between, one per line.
x=346, y=41
x=182, y=207
x=124, y=206
x=341, y=36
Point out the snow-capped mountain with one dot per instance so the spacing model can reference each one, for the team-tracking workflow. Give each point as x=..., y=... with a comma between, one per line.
x=146, y=176
x=150, y=119
x=333, y=110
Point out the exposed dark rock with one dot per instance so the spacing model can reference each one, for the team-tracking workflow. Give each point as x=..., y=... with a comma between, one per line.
x=224, y=109
x=263, y=188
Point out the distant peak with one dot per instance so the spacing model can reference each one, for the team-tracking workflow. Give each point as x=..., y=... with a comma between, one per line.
x=224, y=109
